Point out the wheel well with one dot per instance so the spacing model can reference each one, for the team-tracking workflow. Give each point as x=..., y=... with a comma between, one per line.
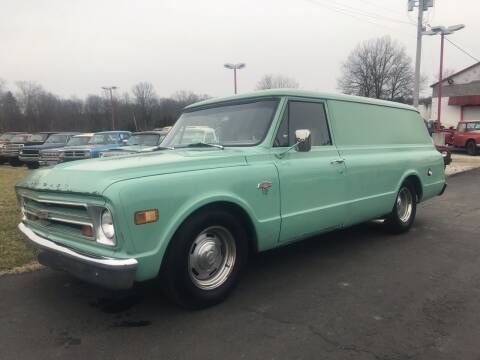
x=241, y=214
x=415, y=181
x=471, y=140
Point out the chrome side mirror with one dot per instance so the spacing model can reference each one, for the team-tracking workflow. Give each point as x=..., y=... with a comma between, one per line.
x=303, y=138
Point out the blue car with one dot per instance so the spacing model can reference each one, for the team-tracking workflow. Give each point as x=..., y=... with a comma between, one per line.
x=99, y=142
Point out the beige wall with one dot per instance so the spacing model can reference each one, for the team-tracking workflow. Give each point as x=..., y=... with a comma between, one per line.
x=450, y=115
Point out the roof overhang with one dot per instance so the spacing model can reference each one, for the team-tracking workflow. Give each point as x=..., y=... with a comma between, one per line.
x=464, y=100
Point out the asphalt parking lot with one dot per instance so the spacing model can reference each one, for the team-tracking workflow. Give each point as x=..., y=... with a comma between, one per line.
x=353, y=294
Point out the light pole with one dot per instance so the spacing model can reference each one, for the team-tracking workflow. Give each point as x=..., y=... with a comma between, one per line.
x=442, y=31
x=110, y=90
x=234, y=67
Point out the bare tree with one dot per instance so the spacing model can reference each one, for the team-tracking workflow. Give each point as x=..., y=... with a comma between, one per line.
x=270, y=81
x=378, y=68
x=145, y=99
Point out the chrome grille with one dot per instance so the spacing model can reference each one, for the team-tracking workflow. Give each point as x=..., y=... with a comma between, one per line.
x=13, y=149
x=49, y=156
x=57, y=217
x=75, y=154
x=29, y=154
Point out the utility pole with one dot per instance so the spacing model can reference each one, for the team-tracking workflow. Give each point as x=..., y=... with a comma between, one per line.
x=442, y=31
x=423, y=5
x=110, y=89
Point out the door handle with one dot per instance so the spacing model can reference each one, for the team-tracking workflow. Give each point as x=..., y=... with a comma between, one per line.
x=337, y=162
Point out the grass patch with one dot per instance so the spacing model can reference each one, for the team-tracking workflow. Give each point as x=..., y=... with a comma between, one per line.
x=13, y=250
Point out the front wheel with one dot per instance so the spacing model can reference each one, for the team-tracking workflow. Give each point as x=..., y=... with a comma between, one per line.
x=15, y=162
x=204, y=259
x=401, y=218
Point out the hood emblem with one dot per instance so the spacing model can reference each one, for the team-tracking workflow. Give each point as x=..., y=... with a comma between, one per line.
x=42, y=215
x=264, y=186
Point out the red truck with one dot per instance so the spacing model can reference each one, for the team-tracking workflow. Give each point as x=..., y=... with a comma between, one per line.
x=466, y=136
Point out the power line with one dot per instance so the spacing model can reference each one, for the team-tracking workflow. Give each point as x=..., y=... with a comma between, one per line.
x=349, y=10
x=462, y=50
x=391, y=10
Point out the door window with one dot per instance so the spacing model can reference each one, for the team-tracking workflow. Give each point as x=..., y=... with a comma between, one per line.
x=303, y=115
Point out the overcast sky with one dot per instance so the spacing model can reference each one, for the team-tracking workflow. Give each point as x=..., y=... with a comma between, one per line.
x=74, y=47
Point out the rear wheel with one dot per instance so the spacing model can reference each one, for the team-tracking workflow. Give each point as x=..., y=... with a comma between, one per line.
x=472, y=147
x=401, y=218
x=204, y=259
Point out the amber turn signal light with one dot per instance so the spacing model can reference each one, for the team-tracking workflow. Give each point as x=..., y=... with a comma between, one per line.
x=146, y=216
x=87, y=231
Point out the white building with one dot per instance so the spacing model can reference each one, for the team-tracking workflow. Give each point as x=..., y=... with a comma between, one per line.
x=460, y=97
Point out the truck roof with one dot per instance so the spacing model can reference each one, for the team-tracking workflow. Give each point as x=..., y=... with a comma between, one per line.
x=114, y=132
x=301, y=93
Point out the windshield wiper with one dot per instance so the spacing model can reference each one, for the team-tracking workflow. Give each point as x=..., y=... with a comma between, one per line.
x=204, y=144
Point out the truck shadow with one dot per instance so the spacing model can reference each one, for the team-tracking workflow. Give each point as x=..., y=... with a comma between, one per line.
x=268, y=275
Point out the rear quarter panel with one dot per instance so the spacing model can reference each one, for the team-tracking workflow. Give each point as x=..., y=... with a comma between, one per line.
x=382, y=146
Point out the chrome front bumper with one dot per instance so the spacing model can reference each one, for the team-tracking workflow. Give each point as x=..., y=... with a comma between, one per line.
x=107, y=272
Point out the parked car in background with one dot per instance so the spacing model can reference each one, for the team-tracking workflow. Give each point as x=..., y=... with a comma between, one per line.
x=99, y=142
x=270, y=168
x=466, y=136
x=12, y=150
x=30, y=154
x=52, y=156
x=446, y=154
x=197, y=134
x=139, y=142
x=5, y=138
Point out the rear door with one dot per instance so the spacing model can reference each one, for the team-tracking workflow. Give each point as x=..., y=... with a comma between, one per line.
x=312, y=184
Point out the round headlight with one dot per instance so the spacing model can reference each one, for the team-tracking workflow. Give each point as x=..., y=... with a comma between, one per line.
x=107, y=224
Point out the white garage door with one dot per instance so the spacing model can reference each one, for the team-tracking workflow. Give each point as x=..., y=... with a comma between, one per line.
x=471, y=113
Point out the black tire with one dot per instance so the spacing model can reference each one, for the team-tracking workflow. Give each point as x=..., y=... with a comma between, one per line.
x=33, y=165
x=177, y=275
x=15, y=162
x=471, y=147
x=2, y=160
x=395, y=222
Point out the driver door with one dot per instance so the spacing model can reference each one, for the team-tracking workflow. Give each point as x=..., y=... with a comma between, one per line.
x=312, y=184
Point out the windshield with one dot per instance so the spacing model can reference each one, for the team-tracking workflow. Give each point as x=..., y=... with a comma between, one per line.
x=102, y=139
x=38, y=137
x=78, y=140
x=19, y=138
x=471, y=126
x=6, y=136
x=57, y=139
x=230, y=125
x=144, y=139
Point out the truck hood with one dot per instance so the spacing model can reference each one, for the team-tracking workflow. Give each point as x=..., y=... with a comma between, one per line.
x=43, y=146
x=93, y=176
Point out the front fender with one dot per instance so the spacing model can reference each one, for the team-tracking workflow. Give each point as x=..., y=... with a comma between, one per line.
x=178, y=195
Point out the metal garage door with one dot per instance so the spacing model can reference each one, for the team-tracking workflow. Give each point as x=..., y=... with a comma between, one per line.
x=471, y=113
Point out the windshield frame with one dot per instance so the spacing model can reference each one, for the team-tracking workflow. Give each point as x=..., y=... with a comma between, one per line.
x=220, y=104
x=79, y=137
x=104, y=135
x=158, y=139
x=53, y=136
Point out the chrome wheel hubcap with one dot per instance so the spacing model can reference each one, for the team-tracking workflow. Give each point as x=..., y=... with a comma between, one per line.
x=404, y=204
x=212, y=257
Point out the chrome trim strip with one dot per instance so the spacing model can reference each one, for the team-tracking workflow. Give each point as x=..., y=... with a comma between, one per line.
x=51, y=216
x=56, y=202
x=50, y=245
